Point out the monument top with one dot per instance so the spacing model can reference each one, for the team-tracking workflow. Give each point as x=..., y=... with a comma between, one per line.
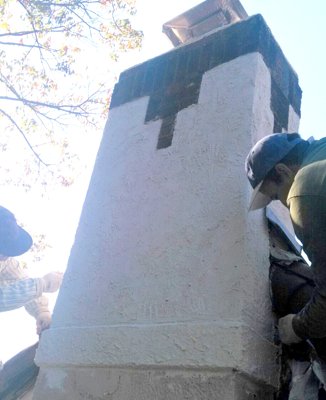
x=204, y=17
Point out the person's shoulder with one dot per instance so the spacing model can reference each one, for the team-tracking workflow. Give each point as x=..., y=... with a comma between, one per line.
x=315, y=152
x=310, y=180
x=10, y=262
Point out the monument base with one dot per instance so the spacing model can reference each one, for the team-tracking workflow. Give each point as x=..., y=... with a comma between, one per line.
x=149, y=384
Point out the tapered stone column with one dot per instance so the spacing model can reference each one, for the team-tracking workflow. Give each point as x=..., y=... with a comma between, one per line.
x=166, y=292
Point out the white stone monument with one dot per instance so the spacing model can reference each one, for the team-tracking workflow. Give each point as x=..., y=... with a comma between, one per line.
x=166, y=292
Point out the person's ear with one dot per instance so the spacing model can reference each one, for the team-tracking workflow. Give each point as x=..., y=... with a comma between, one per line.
x=285, y=172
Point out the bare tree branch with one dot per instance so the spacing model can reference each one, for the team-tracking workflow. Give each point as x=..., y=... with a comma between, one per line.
x=21, y=45
x=24, y=136
x=39, y=47
x=67, y=108
x=60, y=29
x=35, y=85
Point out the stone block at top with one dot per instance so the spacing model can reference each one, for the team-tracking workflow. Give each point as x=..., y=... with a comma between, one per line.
x=203, y=18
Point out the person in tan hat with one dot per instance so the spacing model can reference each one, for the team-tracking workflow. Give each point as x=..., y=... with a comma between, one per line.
x=16, y=288
x=288, y=168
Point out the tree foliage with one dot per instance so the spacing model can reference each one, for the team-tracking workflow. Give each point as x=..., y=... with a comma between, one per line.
x=51, y=53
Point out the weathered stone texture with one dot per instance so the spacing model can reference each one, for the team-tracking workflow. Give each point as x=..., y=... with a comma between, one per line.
x=117, y=384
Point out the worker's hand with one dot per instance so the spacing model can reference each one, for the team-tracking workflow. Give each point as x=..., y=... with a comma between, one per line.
x=52, y=281
x=285, y=330
x=43, y=321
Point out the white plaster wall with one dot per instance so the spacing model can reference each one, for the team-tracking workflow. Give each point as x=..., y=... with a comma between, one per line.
x=294, y=120
x=168, y=268
x=26, y=396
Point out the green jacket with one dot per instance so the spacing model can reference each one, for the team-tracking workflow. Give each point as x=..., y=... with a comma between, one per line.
x=307, y=204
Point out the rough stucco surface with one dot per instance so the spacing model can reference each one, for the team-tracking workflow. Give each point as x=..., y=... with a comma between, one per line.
x=294, y=120
x=116, y=384
x=168, y=268
x=27, y=396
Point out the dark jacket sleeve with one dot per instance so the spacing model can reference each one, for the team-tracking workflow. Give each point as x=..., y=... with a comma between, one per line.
x=308, y=214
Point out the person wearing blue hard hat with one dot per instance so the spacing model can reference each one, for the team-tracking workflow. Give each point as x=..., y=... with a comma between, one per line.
x=285, y=167
x=16, y=288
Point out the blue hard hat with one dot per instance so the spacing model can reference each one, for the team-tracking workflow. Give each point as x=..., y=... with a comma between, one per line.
x=14, y=240
x=263, y=156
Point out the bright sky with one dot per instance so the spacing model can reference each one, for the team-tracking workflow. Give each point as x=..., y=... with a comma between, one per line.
x=299, y=28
